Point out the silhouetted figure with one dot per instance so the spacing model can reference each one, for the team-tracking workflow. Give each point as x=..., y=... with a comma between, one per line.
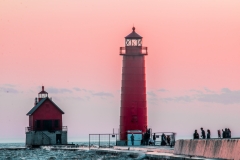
x=223, y=134
x=229, y=133
x=208, y=134
x=163, y=142
x=226, y=133
x=145, y=139
x=148, y=135
x=195, y=135
x=203, y=134
x=219, y=133
x=172, y=140
x=168, y=139
x=132, y=139
x=154, y=138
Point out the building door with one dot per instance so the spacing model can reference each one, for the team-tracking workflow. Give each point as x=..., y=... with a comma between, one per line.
x=58, y=138
x=47, y=125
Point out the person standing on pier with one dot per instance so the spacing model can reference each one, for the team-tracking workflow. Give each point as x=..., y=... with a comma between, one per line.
x=219, y=133
x=164, y=140
x=203, y=134
x=208, y=134
x=154, y=138
x=223, y=134
x=195, y=135
x=132, y=139
x=229, y=133
x=226, y=133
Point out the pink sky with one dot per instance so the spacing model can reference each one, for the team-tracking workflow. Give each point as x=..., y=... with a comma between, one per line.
x=72, y=48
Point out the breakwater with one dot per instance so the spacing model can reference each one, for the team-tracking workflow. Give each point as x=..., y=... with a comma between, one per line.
x=211, y=148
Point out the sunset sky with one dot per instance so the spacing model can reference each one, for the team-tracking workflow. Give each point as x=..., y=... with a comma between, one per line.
x=72, y=48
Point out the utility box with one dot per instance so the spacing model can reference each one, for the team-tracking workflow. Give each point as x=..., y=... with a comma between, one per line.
x=137, y=137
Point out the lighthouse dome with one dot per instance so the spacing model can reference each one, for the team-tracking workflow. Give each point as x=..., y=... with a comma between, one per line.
x=133, y=35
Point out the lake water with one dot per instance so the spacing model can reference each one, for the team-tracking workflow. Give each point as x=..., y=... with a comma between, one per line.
x=47, y=154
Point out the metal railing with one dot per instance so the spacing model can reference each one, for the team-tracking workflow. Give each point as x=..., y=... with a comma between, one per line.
x=63, y=128
x=47, y=137
x=110, y=140
x=102, y=140
x=133, y=50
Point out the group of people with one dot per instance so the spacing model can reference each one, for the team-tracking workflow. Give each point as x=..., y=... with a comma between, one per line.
x=146, y=140
x=203, y=135
x=165, y=140
x=225, y=134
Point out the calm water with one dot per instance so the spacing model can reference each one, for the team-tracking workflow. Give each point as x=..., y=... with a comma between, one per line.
x=47, y=154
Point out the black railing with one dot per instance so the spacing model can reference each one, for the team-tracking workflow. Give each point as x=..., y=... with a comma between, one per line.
x=136, y=50
x=110, y=140
x=63, y=128
x=102, y=140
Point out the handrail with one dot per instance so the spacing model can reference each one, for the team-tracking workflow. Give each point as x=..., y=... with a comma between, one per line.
x=133, y=50
x=28, y=129
x=64, y=128
x=49, y=139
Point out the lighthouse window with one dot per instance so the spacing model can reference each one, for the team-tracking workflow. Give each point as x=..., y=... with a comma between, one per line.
x=128, y=42
x=134, y=42
x=139, y=42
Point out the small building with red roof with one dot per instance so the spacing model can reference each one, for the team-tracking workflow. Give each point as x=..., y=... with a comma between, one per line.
x=45, y=123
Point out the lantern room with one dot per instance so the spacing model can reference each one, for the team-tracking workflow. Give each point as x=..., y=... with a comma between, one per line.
x=133, y=45
x=42, y=94
x=133, y=39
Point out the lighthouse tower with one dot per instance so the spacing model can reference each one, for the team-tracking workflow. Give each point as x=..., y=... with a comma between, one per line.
x=133, y=112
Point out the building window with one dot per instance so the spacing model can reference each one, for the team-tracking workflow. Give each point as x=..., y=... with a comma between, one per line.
x=47, y=124
x=56, y=123
x=38, y=123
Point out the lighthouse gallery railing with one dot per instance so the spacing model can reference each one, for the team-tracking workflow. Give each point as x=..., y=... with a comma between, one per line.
x=139, y=50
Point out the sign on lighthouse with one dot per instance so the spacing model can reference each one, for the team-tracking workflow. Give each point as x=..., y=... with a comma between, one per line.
x=133, y=111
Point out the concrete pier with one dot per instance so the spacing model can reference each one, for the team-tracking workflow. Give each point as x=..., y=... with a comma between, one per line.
x=212, y=148
x=149, y=152
x=135, y=152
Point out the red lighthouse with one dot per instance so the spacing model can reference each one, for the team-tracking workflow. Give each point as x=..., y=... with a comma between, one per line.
x=133, y=112
x=45, y=123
